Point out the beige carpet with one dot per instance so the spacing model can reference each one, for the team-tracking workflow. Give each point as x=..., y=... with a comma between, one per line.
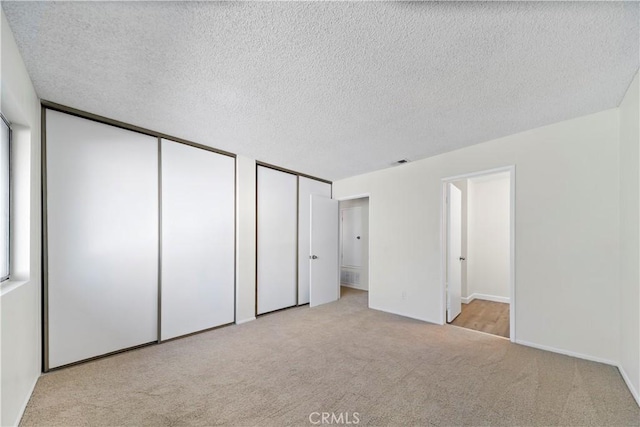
x=341, y=358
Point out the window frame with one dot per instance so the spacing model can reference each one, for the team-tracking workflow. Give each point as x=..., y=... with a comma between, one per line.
x=4, y=279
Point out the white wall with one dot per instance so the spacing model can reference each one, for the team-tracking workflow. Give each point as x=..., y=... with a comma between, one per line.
x=630, y=237
x=20, y=351
x=246, y=239
x=363, y=204
x=567, y=232
x=488, y=240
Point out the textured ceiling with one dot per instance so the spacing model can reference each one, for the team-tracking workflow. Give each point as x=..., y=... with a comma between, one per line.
x=327, y=88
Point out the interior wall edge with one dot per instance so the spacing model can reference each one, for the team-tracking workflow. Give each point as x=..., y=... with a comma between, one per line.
x=245, y=237
x=21, y=304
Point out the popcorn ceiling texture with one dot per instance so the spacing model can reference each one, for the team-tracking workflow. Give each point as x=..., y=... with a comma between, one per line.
x=328, y=88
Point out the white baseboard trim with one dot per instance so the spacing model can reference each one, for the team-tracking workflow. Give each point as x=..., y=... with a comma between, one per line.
x=435, y=322
x=349, y=285
x=240, y=322
x=627, y=381
x=485, y=297
x=26, y=402
x=568, y=353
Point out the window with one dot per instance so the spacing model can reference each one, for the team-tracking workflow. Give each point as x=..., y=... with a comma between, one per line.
x=5, y=197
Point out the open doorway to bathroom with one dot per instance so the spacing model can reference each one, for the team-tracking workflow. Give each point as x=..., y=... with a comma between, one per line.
x=478, y=247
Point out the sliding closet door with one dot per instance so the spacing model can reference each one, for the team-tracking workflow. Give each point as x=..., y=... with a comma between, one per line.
x=306, y=187
x=102, y=223
x=277, y=239
x=198, y=246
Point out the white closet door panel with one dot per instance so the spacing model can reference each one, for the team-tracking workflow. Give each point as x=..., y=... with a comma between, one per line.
x=102, y=218
x=277, y=239
x=197, y=239
x=306, y=187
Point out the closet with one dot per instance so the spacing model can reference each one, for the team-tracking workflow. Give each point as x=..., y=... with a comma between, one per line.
x=283, y=237
x=139, y=238
x=277, y=239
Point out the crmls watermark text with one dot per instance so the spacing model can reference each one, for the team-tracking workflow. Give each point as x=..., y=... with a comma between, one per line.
x=345, y=418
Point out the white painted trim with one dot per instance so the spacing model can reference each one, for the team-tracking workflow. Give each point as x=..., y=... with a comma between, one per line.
x=568, y=353
x=627, y=381
x=485, y=297
x=433, y=322
x=26, y=402
x=240, y=322
x=512, y=252
x=357, y=196
x=349, y=285
x=443, y=252
x=475, y=331
x=478, y=173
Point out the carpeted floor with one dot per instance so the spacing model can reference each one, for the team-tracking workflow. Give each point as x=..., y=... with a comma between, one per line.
x=339, y=358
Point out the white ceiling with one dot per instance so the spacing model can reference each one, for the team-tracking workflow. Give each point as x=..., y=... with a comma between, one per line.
x=328, y=88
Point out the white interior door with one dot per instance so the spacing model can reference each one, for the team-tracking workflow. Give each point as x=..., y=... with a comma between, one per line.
x=454, y=252
x=306, y=187
x=197, y=239
x=324, y=262
x=277, y=239
x=352, y=237
x=102, y=220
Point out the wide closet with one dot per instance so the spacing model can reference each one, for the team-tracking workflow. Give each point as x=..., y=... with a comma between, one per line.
x=283, y=211
x=139, y=238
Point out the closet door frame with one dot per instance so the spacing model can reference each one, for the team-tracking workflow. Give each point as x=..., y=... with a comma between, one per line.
x=297, y=175
x=47, y=105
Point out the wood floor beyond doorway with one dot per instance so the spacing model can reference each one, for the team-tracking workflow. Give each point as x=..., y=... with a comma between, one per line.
x=485, y=316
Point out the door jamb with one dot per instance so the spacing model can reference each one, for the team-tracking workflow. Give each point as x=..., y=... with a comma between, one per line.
x=512, y=239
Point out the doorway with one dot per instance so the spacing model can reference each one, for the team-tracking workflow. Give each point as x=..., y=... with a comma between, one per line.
x=354, y=244
x=478, y=251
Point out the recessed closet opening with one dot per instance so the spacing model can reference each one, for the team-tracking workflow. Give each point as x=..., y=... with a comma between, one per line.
x=478, y=251
x=139, y=237
x=296, y=240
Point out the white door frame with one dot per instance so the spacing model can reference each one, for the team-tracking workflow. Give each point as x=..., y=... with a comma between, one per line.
x=512, y=237
x=362, y=196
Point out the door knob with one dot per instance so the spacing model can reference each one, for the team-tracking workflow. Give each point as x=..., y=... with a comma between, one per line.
x=358, y=237
x=313, y=257
x=462, y=259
